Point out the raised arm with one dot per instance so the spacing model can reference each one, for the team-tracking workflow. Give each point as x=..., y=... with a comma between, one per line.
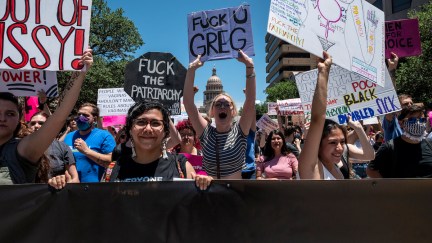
x=392, y=65
x=308, y=161
x=367, y=152
x=174, y=136
x=249, y=104
x=198, y=122
x=34, y=145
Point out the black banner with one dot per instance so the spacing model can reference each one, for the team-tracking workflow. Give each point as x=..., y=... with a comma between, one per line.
x=156, y=76
x=230, y=211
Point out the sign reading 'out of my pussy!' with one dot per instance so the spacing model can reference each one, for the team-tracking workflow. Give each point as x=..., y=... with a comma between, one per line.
x=44, y=34
x=219, y=34
x=156, y=76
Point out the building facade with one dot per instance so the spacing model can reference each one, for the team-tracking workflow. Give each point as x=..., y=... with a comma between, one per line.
x=397, y=9
x=213, y=88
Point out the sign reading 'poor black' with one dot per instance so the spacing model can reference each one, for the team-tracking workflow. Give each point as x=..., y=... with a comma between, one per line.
x=156, y=76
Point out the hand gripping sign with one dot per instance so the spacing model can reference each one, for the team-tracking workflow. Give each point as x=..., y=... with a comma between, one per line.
x=156, y=76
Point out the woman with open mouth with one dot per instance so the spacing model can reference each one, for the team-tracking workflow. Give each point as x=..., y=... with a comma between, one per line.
x=223, y=146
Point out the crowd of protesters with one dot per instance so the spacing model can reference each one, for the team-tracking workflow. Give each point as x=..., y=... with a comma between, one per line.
x=150, y=148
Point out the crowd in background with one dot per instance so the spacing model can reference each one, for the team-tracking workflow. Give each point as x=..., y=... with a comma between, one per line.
x=71, y=147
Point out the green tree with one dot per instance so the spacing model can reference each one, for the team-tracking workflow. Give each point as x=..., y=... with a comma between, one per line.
x=114, y=38
x=283, y=90
x=414, y=76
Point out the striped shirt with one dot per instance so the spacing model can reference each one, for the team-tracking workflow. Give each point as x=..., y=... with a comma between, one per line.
x=232, y=150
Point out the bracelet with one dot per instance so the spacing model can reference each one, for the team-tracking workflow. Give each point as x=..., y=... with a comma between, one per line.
x=251, y=76
x=250, y=67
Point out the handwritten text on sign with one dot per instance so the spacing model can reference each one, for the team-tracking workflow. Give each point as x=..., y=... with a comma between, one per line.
x=267, y=124
x=402, y=38
x=290, y=106
x=349, y=93
x=43, y=34
x=219, y=34
x=28, y=83
x=113, y=102
x=351, y=31
x=156, y=76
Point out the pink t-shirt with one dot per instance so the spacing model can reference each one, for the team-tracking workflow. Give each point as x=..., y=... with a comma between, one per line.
x=196, y=162
x=281, y=167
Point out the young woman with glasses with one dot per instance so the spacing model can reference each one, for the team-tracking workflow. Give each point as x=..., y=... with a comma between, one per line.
x=224, y=147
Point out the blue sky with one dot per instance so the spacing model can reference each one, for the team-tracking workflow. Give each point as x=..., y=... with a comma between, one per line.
x=163, y=28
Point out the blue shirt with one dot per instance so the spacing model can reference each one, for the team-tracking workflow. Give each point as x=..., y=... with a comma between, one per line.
x=97, y=140
x=250, y=152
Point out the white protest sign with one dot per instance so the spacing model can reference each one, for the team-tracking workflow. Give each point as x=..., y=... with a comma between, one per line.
x=352, y=31
x=370, y=121
x=43, y=34
x=349, y=93
x=290, y=106
x=271, y=108
x=113, y=102
x=28, y=83
x=267, y=124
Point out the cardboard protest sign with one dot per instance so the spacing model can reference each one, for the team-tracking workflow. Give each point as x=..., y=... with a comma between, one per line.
x=351, y=31
x=370, y=121
x=267, y=124
x=113, y=120
x=156, y=76
x=28, y=83
x=402, y=38
x=43, y=34
x=290, y=106
x=113, y=102
x=271, y=108
x=349, y=93
x=219, y=34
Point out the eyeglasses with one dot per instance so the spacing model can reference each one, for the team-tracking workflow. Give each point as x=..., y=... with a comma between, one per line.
x=415, y=119
x=222, y=105
x=32, y=123
x=142, y=123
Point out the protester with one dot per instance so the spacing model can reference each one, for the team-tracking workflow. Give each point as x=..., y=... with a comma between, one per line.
x=91, y=146
x=121, y=136
x=61, y=159
x=357, y=153
x=279, y=162
x=147, y=125
x=325, y=141
x=224, y=146
x=409, y=155
x=249, y=171
x=19, y=159
x=70, y=126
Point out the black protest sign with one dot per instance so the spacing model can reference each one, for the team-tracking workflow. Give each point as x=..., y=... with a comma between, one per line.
x=156, y=76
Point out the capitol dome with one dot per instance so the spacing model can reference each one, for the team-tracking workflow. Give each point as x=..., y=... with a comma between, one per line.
x=213, y=88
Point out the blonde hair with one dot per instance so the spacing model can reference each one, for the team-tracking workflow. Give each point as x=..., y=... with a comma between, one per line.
x=210, y=111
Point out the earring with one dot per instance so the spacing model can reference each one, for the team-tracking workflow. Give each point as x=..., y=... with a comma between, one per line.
x=164, y=153
x=133, y=149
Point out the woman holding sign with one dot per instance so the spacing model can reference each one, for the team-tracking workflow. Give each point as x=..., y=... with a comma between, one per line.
x=224, y=147
x=326, y=139
x=19, y=159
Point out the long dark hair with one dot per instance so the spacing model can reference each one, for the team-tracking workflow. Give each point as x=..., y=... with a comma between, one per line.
x=139, y=108
x=330, y=125
x=268, y=151
x=12, y=98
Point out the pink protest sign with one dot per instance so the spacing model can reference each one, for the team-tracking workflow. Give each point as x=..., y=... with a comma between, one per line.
x=113, y=120
x=31, y=107
x=402, y=38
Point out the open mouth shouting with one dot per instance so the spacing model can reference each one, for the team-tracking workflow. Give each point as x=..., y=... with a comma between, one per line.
x=223, y=115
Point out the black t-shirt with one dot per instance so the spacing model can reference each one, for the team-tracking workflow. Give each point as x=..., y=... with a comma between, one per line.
x=404, y=160
x=158, y=170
